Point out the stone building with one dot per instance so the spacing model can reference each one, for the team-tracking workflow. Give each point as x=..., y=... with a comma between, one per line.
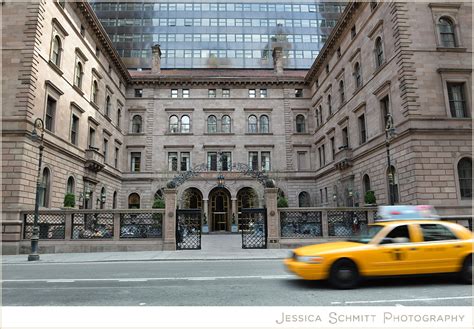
x=114, y=138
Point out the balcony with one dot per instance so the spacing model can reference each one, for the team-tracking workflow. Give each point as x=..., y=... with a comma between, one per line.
x=343, y=159
x=94, y=159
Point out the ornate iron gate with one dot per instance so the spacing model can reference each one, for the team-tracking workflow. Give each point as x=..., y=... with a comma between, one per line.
x=188, y=229
x=253, y=224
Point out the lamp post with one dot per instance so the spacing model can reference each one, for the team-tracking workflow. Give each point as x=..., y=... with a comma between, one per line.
x=34, y=256
x=389, y=134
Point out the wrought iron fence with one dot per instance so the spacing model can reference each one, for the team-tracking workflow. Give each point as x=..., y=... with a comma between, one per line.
x=188, y=229
x=51, y=226
x=254, y=228
x=346, y=223
x=300, y=224
x=141, y=225
x=92, y=226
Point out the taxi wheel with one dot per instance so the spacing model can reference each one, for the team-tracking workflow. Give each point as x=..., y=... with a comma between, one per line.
x=466, y=271
x=344, y=274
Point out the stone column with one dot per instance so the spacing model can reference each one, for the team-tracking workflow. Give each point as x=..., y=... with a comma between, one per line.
x=169, y=220
x=116, y=236
x=273, y=218
x=234, y=211
x=324, y=222
x=205, y=205
x=68, y=226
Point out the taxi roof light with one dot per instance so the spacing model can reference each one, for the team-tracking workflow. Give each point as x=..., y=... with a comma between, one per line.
x=407, y=212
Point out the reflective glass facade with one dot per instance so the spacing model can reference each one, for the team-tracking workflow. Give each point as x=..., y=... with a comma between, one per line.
x=196, y=34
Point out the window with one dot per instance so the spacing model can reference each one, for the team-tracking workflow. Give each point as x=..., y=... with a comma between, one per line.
x=341, y=92
x=107, y=106
x=44, y=192
x=119, y=117
x=185, y=124
x=174, y=93
x=211, y=93
x=134, y=201
x=345, y=138
x=300, y=124
x=211, y=124
x=173, y=161
x=265, y=161
x=327, y=68
x=114, y=200
x=436, y=232
x=320, y=115
x=50, y=113
x=74, y=129
x=185, y=93
x=385, y=107
x=263, y=93
x=70, y=185
x=366, y=183
x=353, y=32
x=457, y=100
x=226, y=93
x=465, y=178
x=91, y=137
x=78, y=75
x=338, y=51
x=137, y=124
x=116, y=155
x=379, y=57
x=323, y=153
x=226, y=124
x=329, y=105
x=56, y=51
x=219, y=161
x=264, y=124
x=362, y=130
x=95, y=91
x=298, y=93
x=398, y=232
x=102, y=198
x=173, y=124
x=302, y=160
x=304, y=199
x=212, y=161
x=185, y=161
x=138, y=92
x=252, y=93
x=333, y=148
x=446, y=32
x=136, y=161
x=253, y=160
x=105, y=149
x=357, y=76
x=252, y=124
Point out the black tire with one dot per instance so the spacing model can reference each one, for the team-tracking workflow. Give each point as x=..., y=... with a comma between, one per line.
x=344, y=274
x=466, y=271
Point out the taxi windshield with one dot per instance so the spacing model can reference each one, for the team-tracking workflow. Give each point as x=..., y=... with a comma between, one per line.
x=366, y=234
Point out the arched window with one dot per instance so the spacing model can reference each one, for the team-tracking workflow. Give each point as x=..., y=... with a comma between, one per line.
x=119, y=117
x=357, y=75
x=392, y=185
x=70, y=187
x=264, y=124
x=185, y=124
x=134, y=201
x=95, y=91
x=252, y=124
x=341, y=91
x=107, y=106
x=102, y=198
x=137, y=124
x=465, y=178
x=114, y=200
x=174, y=124
x=45, y=188
x=211, y=124
x=300, y=123
x=158, y=194
x=56, y=53
x=78, y=77
x=366, y=183
x=226, y=124
x=379, y=58
x=329, y=105
x=303, y=199
x=446, y=32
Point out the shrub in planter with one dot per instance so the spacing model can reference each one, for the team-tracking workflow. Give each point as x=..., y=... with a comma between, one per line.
x=69, y=200
x=158, y=204
x=369, y=197
x=282, y=202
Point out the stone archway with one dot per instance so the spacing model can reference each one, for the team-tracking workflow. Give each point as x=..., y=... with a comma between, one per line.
x=191, y=199
x=220, y=210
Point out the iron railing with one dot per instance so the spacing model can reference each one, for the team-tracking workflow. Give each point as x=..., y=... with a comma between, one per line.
x=92, y=226
x=51, y=226
x=342, y=223
x=141, y=225
x=301, y=224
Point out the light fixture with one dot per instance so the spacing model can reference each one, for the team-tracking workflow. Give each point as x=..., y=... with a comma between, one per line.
x=220, y=180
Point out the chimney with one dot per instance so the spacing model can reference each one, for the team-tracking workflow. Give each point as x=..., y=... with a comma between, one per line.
x=278, y=60
x=156, y=59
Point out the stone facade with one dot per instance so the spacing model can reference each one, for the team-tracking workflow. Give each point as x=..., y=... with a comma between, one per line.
x=425, y=151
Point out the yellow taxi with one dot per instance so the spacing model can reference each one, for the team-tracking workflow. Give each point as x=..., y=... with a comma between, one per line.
x=407, y=240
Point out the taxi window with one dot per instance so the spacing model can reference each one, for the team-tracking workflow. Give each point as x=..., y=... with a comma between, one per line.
x=436, y=232
x=398, y=232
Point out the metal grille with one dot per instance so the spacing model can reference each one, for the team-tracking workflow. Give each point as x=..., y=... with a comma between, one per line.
x=92, y=226
x=346, y=223
x=188, y=229
x=141, y=225
x=253, y=223
x=51, y=226
x=300, y=224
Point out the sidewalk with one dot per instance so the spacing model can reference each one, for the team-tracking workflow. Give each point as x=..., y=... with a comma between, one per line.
x=214, y=247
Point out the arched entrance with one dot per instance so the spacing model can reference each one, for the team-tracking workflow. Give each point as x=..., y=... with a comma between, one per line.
x=219, y=209
x=191, y=199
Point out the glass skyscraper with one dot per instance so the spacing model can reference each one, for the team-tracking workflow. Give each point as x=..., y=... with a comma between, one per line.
x=199, y=34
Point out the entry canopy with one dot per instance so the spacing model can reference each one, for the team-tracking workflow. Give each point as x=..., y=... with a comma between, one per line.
x=399, y=212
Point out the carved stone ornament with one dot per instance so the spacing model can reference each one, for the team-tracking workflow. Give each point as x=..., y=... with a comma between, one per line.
x=272, y=213
x=170, y=214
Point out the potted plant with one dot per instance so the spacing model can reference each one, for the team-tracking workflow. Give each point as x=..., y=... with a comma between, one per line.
x=69, y=200
x=282, y=202
x=234, y=228
x=205, y=227
x=370, y=199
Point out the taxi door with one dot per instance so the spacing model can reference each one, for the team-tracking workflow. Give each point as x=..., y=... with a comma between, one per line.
x=396, y=253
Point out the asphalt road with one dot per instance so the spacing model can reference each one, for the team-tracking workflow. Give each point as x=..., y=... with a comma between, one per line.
x=210, y=283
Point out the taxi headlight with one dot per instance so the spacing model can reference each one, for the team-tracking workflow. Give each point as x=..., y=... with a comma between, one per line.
x=310, y=259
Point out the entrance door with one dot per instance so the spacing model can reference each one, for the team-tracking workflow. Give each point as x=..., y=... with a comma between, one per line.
x=220, y=210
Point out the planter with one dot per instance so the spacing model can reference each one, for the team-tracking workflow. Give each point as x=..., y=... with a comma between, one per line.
x=234, y=229
x=205, y=228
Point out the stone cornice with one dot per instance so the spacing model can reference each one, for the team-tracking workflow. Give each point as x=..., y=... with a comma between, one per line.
x=226, y=81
